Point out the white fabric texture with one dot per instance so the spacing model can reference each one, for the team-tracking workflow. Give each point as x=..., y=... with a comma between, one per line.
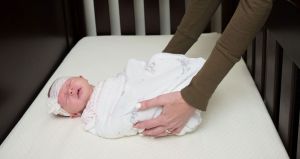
x=236, y=124
x=52, y=103
x=111, y=111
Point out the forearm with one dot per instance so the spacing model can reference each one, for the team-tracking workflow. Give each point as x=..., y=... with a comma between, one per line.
x=193, y=23
x=249, y=17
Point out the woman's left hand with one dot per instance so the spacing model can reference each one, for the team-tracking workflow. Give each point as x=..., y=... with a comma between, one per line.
x=175, y=114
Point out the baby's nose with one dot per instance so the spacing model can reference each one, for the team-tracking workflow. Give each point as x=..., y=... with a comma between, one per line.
x=71, y=91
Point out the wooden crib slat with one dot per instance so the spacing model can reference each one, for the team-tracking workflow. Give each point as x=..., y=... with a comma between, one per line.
x=288, y=125
x=251, y=57
x=228, y=8
x=177, y=9
x=260, y=51
x=127, y=20
x=297, y=115
x=102, y=16
x=152, y=22
x=298, y=144
x=273, y=77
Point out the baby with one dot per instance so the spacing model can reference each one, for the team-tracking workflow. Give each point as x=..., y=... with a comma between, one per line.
x=68, y=96
x=110, y=108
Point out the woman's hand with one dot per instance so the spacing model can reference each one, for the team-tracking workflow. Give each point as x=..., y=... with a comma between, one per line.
x=175, y=114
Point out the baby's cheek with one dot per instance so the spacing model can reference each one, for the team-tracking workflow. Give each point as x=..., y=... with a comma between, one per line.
x=81, y=103
x=60, y=99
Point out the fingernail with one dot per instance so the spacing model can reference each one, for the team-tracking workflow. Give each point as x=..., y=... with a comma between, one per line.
x=140, y=130
x=138, y=105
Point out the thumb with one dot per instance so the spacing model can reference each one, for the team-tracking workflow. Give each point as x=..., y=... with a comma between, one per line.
x=150, y=103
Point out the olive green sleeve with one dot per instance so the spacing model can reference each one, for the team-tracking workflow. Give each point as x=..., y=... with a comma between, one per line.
x=248, y=18
x=193, y=23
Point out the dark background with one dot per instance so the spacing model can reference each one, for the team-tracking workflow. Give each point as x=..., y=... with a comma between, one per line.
x=34, y=38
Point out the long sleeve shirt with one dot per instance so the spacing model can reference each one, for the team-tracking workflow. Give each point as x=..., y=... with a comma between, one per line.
x=247, y=20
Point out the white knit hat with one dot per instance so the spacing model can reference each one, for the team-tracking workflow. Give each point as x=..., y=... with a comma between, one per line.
x=52, y=102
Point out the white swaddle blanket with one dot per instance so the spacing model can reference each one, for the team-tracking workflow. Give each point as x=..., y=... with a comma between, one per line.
x=111, y=111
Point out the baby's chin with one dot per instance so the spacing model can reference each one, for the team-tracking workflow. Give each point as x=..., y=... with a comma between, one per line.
x=75, y=109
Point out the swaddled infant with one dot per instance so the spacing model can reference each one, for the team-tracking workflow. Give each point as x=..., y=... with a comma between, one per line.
x=110, y=108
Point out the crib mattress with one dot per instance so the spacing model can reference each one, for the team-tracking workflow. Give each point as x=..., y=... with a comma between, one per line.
x=236, y=124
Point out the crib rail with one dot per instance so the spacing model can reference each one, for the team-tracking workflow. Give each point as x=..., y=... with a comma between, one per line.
x=142, y=17
x=273, y=60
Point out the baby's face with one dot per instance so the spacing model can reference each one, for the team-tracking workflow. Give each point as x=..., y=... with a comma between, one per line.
x=74, y=95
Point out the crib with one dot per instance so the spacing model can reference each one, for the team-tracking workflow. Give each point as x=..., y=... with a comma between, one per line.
x=263, y=122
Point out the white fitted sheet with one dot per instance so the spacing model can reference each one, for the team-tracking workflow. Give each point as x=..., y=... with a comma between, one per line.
x=236, y=124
